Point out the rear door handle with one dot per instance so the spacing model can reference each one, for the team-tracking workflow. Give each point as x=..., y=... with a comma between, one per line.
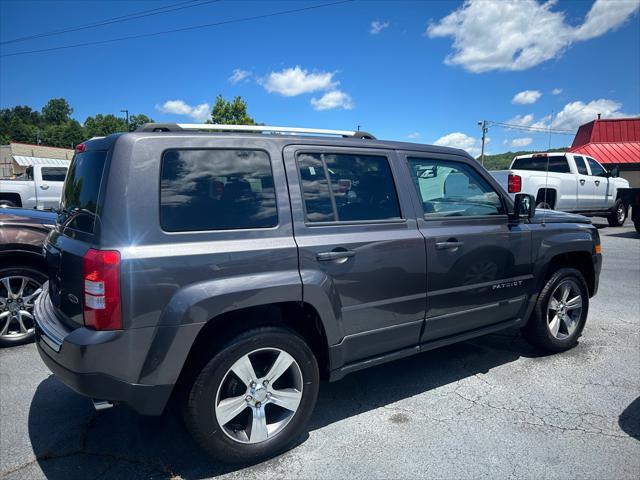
x=582, y=181
x=449, y=244
x=597, y=183
x=335, y=255
x=44, y=186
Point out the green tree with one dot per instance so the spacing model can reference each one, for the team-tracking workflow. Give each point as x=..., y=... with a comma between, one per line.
x=230, y=112
x=103, y=125
x=65, y=135
x=56, y=111
x=136, y=121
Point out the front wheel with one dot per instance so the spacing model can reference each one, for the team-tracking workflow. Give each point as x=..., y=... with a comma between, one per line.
x=560, y=312
x=618, y=214
x=254, y=397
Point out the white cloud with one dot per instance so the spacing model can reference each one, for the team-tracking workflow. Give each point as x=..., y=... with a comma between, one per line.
x=526, y=97
x=519, y=34
x=377, y=26
x=556, y=91
x=331, y=100
x=462, y=141
x=522, y=120
x=199, y=112
x=521, y=142
x=239, y=75
x=577, y=113
x=414, y=135
x=296, y=81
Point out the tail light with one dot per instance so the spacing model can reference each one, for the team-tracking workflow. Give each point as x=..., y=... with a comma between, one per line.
x=514, y=183
x=102, y=290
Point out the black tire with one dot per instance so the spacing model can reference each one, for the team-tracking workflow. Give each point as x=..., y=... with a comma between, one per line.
x=10, y=340
x=7, y=203
x=537, y=331
x=618, y=214
x=636, y=223
x=199, y=414
x=543, y=205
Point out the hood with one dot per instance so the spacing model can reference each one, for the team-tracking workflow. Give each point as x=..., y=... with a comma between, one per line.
x=554, y=216
x=26, y=216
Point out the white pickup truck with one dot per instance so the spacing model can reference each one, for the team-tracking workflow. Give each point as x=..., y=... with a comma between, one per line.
x=568, y=182
x=39, y=187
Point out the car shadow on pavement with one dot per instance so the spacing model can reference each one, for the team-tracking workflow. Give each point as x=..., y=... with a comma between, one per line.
x=629, y=420
x=631, y=234
x=70, y=439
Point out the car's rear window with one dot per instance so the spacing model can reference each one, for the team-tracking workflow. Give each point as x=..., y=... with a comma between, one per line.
x=79, y=201
x=556, y=163
x=216, y=190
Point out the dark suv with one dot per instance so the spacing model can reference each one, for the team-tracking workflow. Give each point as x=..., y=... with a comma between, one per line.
x=233, y=271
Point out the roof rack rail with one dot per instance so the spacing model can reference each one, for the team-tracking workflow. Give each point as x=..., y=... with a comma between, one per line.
x=181, y=127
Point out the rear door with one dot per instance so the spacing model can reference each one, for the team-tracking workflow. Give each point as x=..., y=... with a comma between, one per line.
x=479, y=268
x=357, y=238
x=586, y=186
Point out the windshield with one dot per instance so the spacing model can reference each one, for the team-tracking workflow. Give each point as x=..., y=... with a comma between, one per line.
x=80, y=193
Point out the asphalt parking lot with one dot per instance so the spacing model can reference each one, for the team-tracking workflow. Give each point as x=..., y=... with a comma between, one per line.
x=487, y=408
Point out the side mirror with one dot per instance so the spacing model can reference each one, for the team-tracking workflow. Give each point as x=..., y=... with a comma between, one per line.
x=524, y=206
x=614, y=172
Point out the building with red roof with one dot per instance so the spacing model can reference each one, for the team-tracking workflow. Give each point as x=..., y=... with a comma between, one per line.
x=614, y=143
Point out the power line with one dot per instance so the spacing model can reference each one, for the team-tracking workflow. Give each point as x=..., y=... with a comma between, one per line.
x=531, y=129
x=110, y=21
x=183, y=29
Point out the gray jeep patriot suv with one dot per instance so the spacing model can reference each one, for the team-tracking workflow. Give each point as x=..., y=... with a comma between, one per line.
x=233, y=270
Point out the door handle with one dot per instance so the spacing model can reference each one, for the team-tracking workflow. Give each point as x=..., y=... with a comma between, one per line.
x=44, y=186
x=582, y=181
x=335, y=255
x=449, y=244
x=597, y=183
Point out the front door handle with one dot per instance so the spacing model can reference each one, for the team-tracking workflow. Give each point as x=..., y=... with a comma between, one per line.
x=44, y=186
x=582, y=181
x=450, y=244
x=335, y=255
x=597, y=183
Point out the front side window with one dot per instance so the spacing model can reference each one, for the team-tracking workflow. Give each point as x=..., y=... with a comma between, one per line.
x=216, y=190
x=347, y=187
x=581, y=166
x=453, y=189
x=54, y=174
x=596, y=169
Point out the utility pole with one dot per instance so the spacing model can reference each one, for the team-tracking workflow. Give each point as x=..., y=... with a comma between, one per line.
x=485, y=129
x=126, y=112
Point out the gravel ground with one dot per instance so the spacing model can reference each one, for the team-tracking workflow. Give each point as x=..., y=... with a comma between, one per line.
x=487, y=408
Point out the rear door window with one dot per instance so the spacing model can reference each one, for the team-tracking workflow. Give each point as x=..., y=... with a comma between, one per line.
x=216, y=190
x=54, y=174
x=347, y=187
x=79, y=202
x=581, y=166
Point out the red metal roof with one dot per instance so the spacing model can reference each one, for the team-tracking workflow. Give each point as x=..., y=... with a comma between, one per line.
x=609, y=141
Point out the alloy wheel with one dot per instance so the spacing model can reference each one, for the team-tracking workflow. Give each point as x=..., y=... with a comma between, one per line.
x=259, y=395
x=564, y=309
x=17, y=296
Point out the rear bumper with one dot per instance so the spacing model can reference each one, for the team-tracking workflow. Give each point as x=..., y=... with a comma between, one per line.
x=104, y=365
x=597, y=267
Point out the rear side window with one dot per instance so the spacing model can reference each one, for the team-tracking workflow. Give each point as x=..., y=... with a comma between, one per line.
x=79, y=200
x=347, y=187
x=555, y=163
x=216, y=190
x=581, y=166
x=54, y=174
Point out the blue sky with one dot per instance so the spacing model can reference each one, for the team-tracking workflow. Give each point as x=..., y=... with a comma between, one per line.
x=422, y=71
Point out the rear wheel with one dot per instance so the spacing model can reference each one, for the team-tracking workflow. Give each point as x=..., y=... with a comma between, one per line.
x=254, y=397
x=618, y=214
x=19, y=289
x=7, y=203
x=560, y=312
x=543, y=205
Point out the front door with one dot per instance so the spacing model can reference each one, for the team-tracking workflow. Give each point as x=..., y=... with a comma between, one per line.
x=357, y=240
x=478, y=264
x=603, y=194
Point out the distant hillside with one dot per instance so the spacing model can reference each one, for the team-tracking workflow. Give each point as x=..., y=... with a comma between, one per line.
x=501, y=161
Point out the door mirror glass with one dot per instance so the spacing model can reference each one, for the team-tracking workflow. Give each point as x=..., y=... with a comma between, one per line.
x=524, y=206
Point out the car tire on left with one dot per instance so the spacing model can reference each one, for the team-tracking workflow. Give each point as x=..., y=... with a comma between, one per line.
x=19, y=288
